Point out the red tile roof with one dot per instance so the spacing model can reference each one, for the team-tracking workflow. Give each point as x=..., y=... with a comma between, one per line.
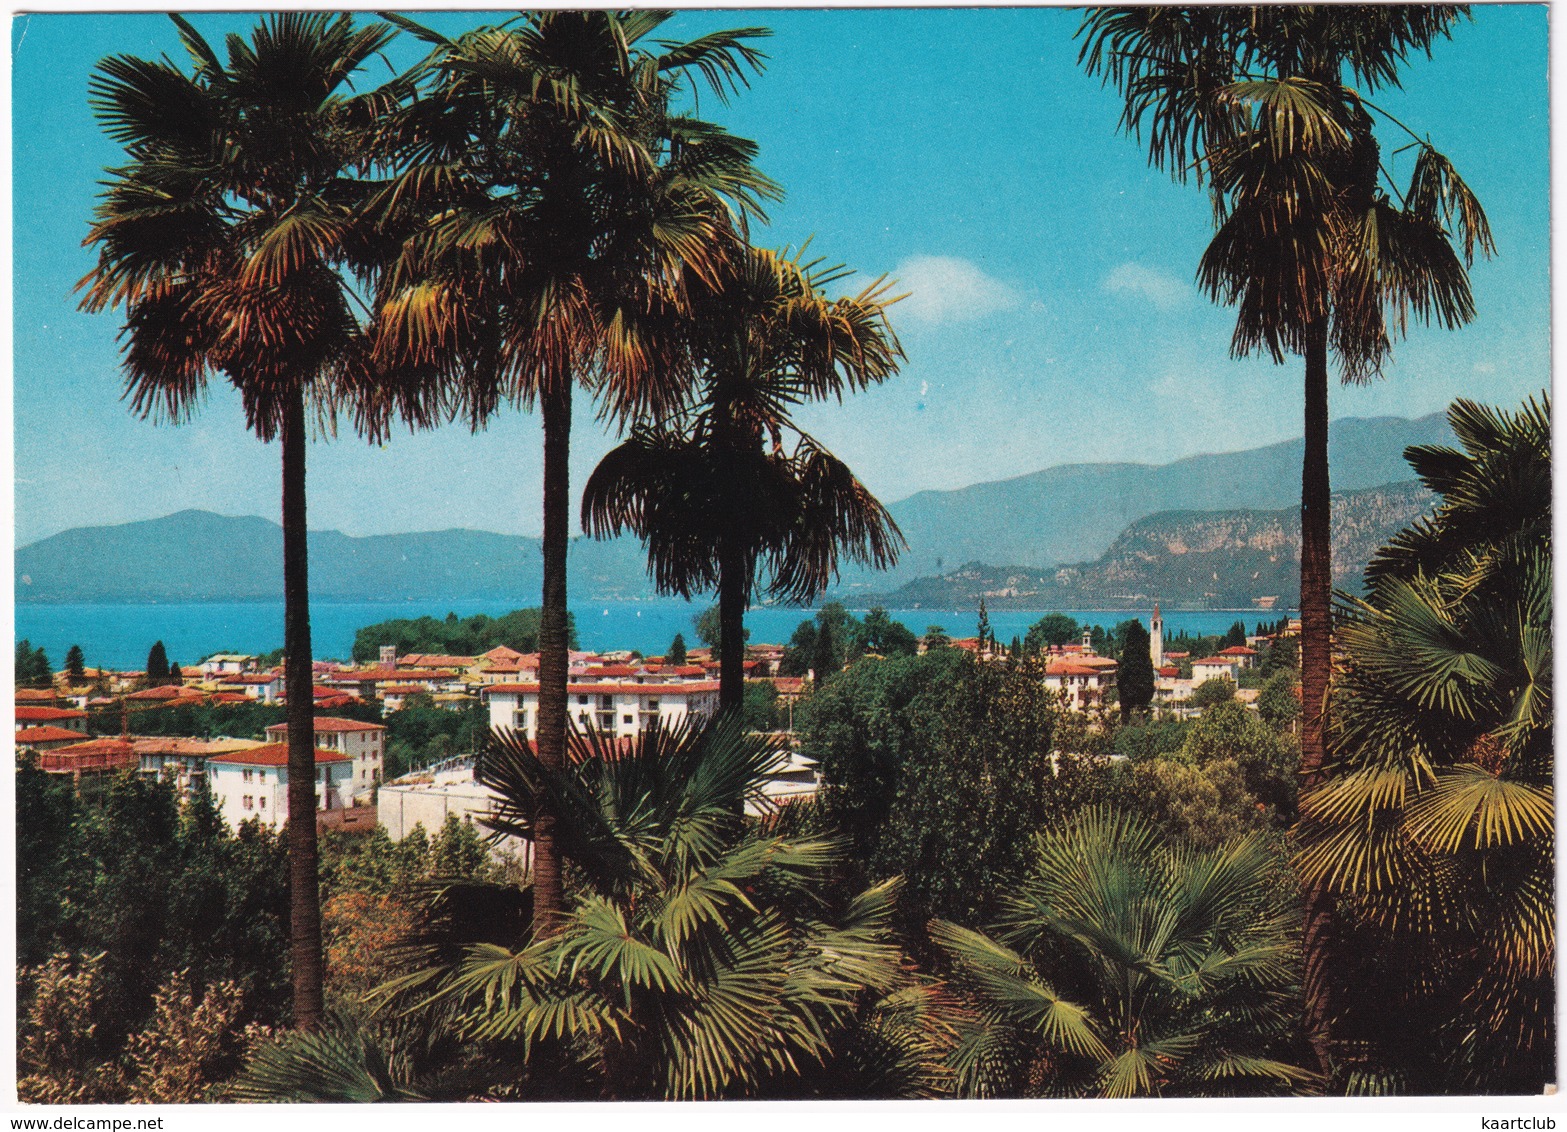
x=333, y=723
x=228, y=698
x=1069, y=668
x=616, y=689
x=1237, y=650
x=257, y=678
x=274, y=754
x=96, y=754
x=163, y=692
x=41, y=714
x=35, y=696
x=97, y=747
x=403, y=689
x=47, y=735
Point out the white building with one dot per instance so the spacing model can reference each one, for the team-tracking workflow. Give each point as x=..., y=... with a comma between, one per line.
x=621, y=706
x=227, y=664
x=364, y=743
x=1214, y=668
x=266, y=687
x=1083, y=679
x=1242, y=656
x=254, y=783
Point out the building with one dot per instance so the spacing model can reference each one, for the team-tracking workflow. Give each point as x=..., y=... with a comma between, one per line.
x=1241, y=655
x=45, y=738
x=1214, y=668
x=619, y=705
x=227, y=664
x=183, y=760
x=1156, y=638
x=94, y=758
x=362, y=743
x=266, y=687
x=1083, y=681
x=254, y=783
x=28, y=716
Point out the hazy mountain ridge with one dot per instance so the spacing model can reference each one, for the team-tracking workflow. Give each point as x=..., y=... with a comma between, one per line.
x=1072, y=513
x=1191, y=559
x=1066, y=514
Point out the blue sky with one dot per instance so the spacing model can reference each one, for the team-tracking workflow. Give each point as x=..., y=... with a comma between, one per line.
x=1052, y=316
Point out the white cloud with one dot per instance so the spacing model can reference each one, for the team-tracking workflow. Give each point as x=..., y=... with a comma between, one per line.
x=946, y=289
x=1163, y=290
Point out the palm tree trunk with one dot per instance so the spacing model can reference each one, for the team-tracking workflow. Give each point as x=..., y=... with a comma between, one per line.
x=304, y=891
x=733, y=579
x=1316, y=660
x=555, y=404
x=1316, y=560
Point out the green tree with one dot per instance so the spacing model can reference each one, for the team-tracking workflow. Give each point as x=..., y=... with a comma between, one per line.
x=676, y=652
x=1126, y=966
x=1135, y=676
x=760, y=708
x=1435, y=828
x=558, y=204
x=936, y=638
x=880, y=634
x=800, y=653
x=157, y=665
x=717, y=496
x=75, y=665
x=225, y=237
x=1278, y=703
x=1051, y=629
x=32, y=666
x=1217, y=690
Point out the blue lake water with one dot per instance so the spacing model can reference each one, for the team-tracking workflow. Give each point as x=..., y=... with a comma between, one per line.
x=118, y=636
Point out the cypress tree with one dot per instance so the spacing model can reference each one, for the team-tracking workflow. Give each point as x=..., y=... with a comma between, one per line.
x=76, y=664
x=676, y=653
x=1135, y=680
x=157, y=665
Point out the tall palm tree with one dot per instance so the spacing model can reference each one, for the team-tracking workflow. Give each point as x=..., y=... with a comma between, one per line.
x=554, y=204
x=1316, y=247
x=225, y=239
x=1435, y=825
x=1128, y=966
x=713, y=491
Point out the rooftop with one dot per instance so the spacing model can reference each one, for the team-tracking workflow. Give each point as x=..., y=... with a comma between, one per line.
x=273, y=754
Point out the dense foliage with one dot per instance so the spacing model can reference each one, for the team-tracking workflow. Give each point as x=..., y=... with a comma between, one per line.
x=1126, y=965
x=453, y=636
x=32, y=666
x=1435, y=828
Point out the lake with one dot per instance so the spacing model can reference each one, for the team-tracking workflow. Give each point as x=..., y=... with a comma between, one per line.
x=118, y=636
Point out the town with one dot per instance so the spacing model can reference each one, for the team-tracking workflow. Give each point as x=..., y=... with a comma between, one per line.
x=617, y=694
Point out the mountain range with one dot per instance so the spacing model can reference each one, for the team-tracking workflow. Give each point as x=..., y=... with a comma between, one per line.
x=1193, y=559
x=1061, y=515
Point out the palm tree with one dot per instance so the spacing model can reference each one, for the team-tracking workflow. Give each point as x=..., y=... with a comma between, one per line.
x=1316, y=247
x=1129, y=966
x=694, y=958
x=554, y=205
x=224, y=238
x=713, y=491
x=1435, y=825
